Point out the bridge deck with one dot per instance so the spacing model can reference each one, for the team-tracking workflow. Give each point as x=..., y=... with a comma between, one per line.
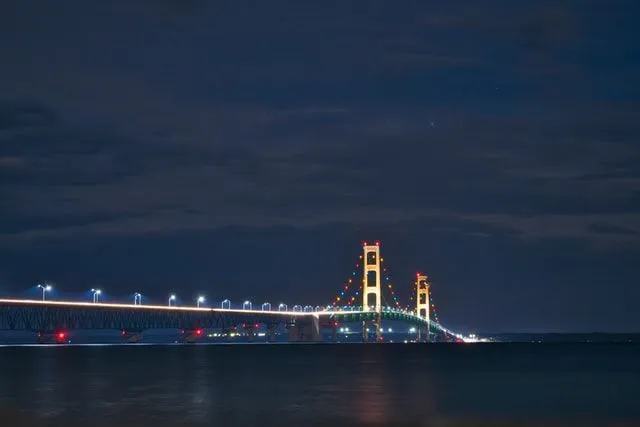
x=26, y=314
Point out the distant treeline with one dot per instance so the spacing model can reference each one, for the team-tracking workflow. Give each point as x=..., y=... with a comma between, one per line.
x=567, y=338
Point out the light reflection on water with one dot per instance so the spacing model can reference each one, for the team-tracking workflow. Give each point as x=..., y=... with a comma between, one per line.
x=403, y=385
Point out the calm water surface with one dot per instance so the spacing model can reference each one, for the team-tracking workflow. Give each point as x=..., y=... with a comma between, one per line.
x=353, y=385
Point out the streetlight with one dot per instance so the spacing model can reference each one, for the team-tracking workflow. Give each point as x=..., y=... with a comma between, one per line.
x=199, y=301
x=172, y=297
x=282, y=307
x=226, y=305
x=246, y=305
x=137, y=298
x=96, y=295
x=45, y=289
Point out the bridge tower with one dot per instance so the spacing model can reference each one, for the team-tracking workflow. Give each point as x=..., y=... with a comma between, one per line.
x=371, y=285
x=422, y=301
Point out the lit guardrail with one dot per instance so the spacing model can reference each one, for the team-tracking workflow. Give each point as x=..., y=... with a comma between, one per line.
x=168, y=308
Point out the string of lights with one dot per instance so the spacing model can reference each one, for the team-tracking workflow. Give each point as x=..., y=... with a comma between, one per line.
x=386, y=274
x=434, y=312
x=411, y=306
x=343, y=297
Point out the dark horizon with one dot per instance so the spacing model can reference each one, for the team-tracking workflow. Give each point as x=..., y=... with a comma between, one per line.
x=245, y=152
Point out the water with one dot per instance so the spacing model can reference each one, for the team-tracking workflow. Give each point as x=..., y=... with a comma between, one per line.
x=318, y=385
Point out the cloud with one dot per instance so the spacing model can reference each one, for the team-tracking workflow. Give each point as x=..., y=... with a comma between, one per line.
x=350, y=168
x=331, y=116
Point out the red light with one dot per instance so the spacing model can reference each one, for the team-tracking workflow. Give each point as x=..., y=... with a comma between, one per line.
x=377, y=243
x=257, y=326
x=198, y=331
x=61, y=335
x=364, y=243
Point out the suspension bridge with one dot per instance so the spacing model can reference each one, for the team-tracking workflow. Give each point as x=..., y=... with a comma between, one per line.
x=364, y=304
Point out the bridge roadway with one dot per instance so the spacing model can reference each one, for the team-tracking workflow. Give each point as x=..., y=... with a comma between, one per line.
x=50, y=316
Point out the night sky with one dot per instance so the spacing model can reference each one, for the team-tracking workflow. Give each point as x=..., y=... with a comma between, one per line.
x=245, y=150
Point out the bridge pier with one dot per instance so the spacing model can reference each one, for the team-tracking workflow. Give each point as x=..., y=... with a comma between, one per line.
x=52, y=337
x=192, y=335
x=332, y=325
x=272, y=329
x=305, y=330
x=250, y=329
x=423, y=334
x=375, y=324
x=130, y=336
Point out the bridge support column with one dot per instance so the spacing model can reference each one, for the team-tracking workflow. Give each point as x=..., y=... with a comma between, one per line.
x=305, y=330
x=332, y=325
x=272, y=329
x=130, y=336
x=423, y=304
x=371, y=278
x=376, y=324
x=52, y=337
x=365, y=331
x=424, y=334
x=371, y=287
x=251, y=332
x=192, y=335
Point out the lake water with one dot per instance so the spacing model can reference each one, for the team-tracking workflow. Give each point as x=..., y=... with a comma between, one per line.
x=320, y=385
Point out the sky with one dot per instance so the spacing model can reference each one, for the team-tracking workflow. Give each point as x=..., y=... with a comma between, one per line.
x=245, y=149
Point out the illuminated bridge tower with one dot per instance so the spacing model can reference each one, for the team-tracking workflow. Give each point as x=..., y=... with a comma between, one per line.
x=371, y=289
x=422, y=301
